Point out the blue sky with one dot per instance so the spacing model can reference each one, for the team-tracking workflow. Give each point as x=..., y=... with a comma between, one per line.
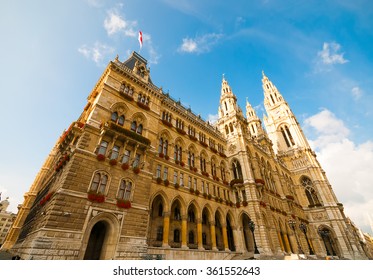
x=318, y=54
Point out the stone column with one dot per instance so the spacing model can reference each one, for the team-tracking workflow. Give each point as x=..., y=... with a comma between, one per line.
x=287, y=244
x=166, y=229
x=225, y=238
x=199, y=235
x=184, y=227
x=213, y=236
x=280, y=240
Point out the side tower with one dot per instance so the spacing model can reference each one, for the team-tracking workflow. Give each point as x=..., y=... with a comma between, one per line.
x=311, y=187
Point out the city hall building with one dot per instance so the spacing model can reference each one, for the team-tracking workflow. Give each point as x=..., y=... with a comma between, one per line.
x=140, y=176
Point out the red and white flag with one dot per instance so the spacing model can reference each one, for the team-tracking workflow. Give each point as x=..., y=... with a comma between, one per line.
x=140, y=39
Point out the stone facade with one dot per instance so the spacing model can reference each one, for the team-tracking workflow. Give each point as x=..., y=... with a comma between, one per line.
x=6, y=219
x=139, y=176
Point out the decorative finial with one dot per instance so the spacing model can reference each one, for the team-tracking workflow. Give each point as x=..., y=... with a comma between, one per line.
x=223, y=76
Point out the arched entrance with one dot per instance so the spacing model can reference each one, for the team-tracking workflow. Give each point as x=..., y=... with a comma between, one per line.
x=95, y=242
x=328, y=240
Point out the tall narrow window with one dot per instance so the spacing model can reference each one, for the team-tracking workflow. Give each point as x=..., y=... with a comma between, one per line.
x=289, y=134
x=136, y=162
x=114, y=152
x=139, y=129
x=121, y=120
x=158, y=172
x=134, y=126
x=126, y=156
x=165, y=173
x=125, y=189
x=102, y=148
x=99, y=183
x=114, y=116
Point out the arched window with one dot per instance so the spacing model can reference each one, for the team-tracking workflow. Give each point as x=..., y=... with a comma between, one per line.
x=191, y=159
x=139, y=129
x=204, y=238
x=191, y=216
x=134, y=126
x=231, y=127
x=99, y=183
x=121, y=120
x=165, y=147
x=125, y=190
x=114, y=116
x=177, y=215
x=203, y=163
x=102, y=148
x=160, y=210
x=237, y=171
x=310, y=192
x=287, y=136
x=114, y=152
x=160, y=147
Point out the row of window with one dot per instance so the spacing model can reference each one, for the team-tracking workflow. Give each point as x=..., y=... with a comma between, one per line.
x=163, y=172
x=99, y=185
x=115, y=153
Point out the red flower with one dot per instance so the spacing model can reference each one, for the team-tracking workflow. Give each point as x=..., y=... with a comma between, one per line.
x=100, y=157
x=125, y=166
x=113, y=162
x=136, y=170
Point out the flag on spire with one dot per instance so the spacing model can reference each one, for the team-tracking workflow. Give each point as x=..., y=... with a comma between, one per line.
x=140, y=39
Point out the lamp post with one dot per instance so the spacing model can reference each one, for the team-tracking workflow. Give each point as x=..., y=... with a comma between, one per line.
x=303, y=228
x=252, y=228
x=292, y=224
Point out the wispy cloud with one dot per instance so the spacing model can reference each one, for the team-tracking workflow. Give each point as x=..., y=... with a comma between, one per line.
x=356, y=92
x=330, y=54
x=212, y=118
x=200, y=44
x=347, y=164
x=97, y=53
x=115, y=23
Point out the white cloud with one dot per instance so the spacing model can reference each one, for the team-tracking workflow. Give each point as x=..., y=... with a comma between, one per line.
x=348, y=165
x=97, y=53
x=212, y=118
x=199, y=44
x=357, y=93
x=330, y=55
x=115, y=23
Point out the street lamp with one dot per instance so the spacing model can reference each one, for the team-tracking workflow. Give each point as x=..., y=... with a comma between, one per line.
x=303, y=228
x=292, y=224
x=252, y=228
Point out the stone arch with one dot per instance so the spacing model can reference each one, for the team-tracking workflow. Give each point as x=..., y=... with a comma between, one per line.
x=159, y=208
x=100, y=237
x=120, y=107
x=230, y=227
x=329, y=240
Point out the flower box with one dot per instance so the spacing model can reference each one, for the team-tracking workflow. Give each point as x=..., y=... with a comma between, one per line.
x=122, y=203
x=100, y=157
x=213, y=149
x=46, y=198
x=161, y=155
x=113, y=162
x=205, y=174
x=166, y=182
x=165, y=122
x=176, y=161
x=136, y=170
x=238, y=205
x=290, y=197
x=176, y=185
x=142, y=105
x=166, y=157
x=209, y=196
x=125, y=166
x=191, y=190
x=193, y=138
x=220, y=200
x=205, y=195
x=263, y=204
x=96, y=197
x=222, y=155
x=181, y=131
x=225, y=183
x=159, y=180
x=197, y=192
x=259, y=181
x=182, y=163
x=244, y=203
x=216, y=178
x=126, y=96
x=203, y=144
x=236, y=181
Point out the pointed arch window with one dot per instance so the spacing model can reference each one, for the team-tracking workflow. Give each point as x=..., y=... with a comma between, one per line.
x=237, y=171
x=231, y=127
x=114, y=116
x=176, y=235
x=191, y=216
x=287, y=136
x=99, y=183
x=310, y=191
x=125, y=190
